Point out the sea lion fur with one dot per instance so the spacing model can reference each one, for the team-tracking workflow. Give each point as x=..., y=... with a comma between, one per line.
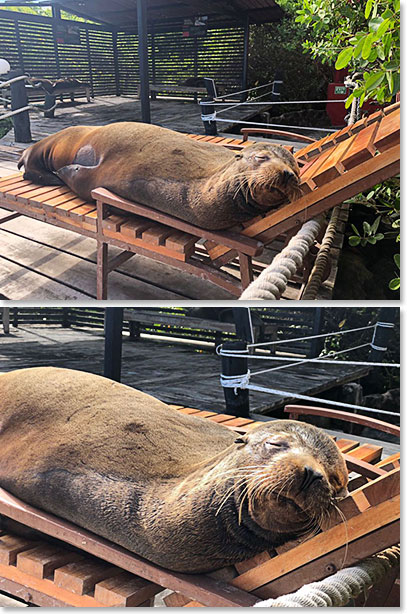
x=183, y=492
x=211, y=187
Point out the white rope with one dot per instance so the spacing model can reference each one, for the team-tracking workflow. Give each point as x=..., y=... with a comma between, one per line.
x=305, y=360
x=14, y=80
x=337, y=590
x=272, y=281
x=249, y=102
x=339, y=332
x=235, y=381
x=236, y=121
x=318, y=359
x=209, y=118
x=304, y=397
x=238, y=104
x=250, y=89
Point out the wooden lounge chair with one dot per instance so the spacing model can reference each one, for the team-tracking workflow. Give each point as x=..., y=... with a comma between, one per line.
x=62, y=575
x=333, y=169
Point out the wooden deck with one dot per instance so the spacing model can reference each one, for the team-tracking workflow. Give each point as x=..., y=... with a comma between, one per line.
x=173, y=372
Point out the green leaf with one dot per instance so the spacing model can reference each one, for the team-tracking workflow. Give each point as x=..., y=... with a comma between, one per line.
x=367, y=47
x=390, y=80
x=357, y=51
x=369, y=196
x=396, y=6
x=353, y=241
x=344, y=58
x=382, y=28
x=366, y=228
x=380, y=52
x=362, y=99
x=368, y=9
x=387, y=40
x=348, y=101
x=395, y=283
x=355, y=230
x=375, y=23
x=371, y=240
x=374, y=80
x=375, y=225
x=396, y=259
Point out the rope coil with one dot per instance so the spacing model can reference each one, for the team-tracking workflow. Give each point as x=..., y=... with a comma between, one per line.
x=337, y=590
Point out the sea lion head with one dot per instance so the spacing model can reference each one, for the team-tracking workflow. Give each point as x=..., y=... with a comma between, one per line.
x=292, y=474
x=267, y=175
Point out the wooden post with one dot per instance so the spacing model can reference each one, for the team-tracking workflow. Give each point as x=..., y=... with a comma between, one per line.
x=66, y=322
x=113, y=343
x=143, y=60
x=237, y=402
x=382, y=333
x=209, y=125
x=19, y=99
x=6, y=320
x=49, y=105
x=15, y=317
x=243, y=323
x=88, y=51
x=278, y=82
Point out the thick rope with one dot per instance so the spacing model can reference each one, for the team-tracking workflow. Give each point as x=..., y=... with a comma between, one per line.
x=337, y=590
x=273, y=281
x=322, y=259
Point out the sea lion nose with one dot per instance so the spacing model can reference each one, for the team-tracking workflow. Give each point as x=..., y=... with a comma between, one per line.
x=286, y=177
x=310, y=475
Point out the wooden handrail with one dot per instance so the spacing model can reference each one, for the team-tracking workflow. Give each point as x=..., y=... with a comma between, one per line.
x=296, y=410
x=294, y=135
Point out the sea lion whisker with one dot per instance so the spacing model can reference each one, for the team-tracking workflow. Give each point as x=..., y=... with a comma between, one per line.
x=345, y=523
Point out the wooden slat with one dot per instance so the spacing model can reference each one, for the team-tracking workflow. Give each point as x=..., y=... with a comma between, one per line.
x=80, y=577
x=181, y=241
x=381, y=488
x=113, y=222
x=367, y=452
x=135, y=226
x=36, y=588
x=125, y=590
x=10, y=546
x=362, y=147
x=346, y=444
x=42, y=560
x=64, y=208
x=156, y=234
x=388, y=133
x=333, y=165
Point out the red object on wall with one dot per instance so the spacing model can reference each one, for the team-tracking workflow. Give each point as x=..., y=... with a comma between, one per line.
x=337, y=91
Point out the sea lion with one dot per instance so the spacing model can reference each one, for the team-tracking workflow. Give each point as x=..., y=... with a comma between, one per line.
x=211, y=187
x=183, y=492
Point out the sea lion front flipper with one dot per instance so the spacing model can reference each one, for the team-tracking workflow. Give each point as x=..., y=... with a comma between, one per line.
x=79, y=178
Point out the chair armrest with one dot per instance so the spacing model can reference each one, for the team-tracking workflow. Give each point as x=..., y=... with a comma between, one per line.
x=293, y=135
x=230, y=239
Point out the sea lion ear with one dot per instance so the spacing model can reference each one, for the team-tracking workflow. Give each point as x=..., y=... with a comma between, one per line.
x=241, y=439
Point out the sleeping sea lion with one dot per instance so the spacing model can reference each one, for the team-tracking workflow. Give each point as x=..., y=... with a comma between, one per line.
x=211, y=187
x=183, y=492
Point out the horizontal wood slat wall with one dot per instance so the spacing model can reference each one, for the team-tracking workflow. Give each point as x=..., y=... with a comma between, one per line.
x=27, y=42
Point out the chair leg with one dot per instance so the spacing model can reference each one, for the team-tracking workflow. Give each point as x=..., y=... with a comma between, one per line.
x=102, y=270
x=246, y=270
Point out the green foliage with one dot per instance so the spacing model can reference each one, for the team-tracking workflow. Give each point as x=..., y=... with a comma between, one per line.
x=370, y=234
x=364, y=37
x=278, y=46
x=394, y=284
